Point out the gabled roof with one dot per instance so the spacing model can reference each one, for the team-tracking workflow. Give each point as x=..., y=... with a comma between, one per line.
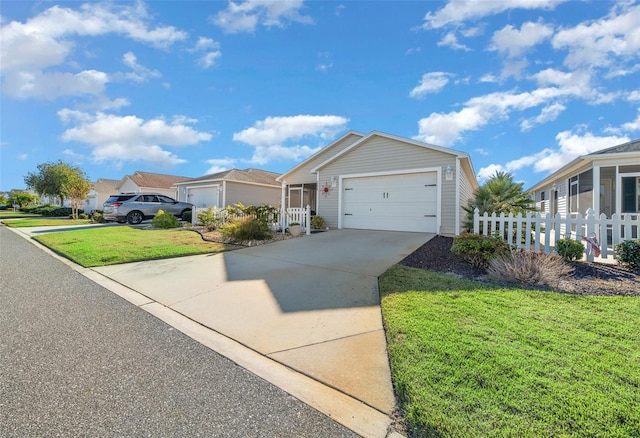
x=364, y=139
x=624, y=150
x=322, y=151
x=250, y=176
x=155, y=180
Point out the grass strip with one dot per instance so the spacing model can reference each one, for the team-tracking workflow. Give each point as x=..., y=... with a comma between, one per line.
x=114, y=245
x=40, y=222
x=472, y=360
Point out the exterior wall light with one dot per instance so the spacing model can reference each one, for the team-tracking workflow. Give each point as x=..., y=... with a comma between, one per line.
x=334, y=181
x=448, y=173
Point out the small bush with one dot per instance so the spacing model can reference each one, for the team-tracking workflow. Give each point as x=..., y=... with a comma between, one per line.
x=83, y=216
x=164, y=220
x=187, y=216
x=97, y=217
x=628, y=253
x=317, y=222
x=569, y=249
x=478, y=249
x=49, y=210
x=208, y=218
x=530, y=267
x=245, y=229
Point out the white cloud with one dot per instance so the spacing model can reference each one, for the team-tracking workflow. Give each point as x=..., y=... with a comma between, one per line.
x=632, y=126
x=431, y=83
x=272, y=137
x=548, y=114
x=140, y=73
x=605, y=42
x=22, y=156
x=451, y=40
x=53, y=85
x=459, y=11
x=489, y=78
x=220, y=165
x=129, y=138
x=245, y=16
x=30, y=51
x=570, y=147
x=211, y=55
x=634, y=96
x=514, y=42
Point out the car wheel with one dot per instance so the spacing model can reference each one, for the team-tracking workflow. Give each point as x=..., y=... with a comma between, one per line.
x=134, y=217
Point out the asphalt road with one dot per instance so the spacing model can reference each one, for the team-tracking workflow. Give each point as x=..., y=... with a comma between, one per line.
x=77, y=360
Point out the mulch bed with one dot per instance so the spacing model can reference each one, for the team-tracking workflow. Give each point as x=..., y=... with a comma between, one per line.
x=586, y=278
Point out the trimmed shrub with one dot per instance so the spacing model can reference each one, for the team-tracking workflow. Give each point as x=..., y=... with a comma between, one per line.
x=478, y=249
x=628, y=253
x=164, y=220
x=530, y=267
x=97, y=217
x=49, y=210
x=317, y=222
x=569, y=249
x=83, y=216
x=245, y=229
x=187, y=216
x=209, y=218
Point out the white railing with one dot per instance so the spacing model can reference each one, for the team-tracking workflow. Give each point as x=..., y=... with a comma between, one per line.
x=540, y=231
x=276, y=221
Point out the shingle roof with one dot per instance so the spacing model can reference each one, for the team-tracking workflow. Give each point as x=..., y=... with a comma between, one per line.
x=632, y=146
x=255, y=176
x=105, y=185
x=155, y=180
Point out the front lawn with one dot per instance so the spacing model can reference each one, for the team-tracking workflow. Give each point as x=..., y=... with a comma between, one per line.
x=9, y=214
x=472, y=360
x=39, y=221
x=114, y=245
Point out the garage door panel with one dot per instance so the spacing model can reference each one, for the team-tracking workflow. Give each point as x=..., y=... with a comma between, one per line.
x=203, y=196
x=406, y=202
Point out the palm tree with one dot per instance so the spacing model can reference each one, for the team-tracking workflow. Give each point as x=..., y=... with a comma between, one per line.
x=499, y=194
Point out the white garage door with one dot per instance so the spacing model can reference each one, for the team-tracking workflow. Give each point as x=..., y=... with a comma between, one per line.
x=406, y=202
x=203, y=196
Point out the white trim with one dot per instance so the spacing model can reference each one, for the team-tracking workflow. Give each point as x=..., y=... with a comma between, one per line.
x=438, y=171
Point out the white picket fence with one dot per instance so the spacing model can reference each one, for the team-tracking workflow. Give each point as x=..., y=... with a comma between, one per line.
x=277, y=221
x=540, y=231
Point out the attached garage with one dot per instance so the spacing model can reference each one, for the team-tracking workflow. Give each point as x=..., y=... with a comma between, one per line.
x=398, y=202
x=379, y=181
x=204, y=196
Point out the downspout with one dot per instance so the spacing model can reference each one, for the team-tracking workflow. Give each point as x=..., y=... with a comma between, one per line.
x=457, y=176
x=282, y=205
x=317, y=193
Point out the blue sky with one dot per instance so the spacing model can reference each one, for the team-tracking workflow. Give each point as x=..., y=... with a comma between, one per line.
x=194, y=87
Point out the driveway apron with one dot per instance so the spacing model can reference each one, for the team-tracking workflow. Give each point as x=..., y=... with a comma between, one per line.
x=310, y=303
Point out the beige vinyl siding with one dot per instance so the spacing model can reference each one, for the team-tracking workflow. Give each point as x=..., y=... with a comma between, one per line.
x=251, y=194
x=303, y=175
x=380, y=154
x=466, y=195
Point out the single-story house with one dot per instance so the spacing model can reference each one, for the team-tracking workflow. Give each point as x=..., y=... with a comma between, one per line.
x=100, y=191
x=249, y=187
x=607, y=181
x=150, y=182
x=379, y=181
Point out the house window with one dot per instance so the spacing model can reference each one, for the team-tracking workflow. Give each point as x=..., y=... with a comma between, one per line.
x=630, y=194
x=573, y=194
x=542, y=196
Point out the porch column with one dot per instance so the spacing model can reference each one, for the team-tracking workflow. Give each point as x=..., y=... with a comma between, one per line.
x=596, y=190
x=283, y=207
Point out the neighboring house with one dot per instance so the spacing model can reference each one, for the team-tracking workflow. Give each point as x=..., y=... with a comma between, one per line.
x=249, y=187
x=150, y=182
x=99, y=193
x=379, y=181
x=607, y=181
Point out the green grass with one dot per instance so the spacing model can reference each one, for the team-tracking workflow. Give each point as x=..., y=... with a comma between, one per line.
x=43, y=222
x=114, y=245
x=10, y=214
x=472, y=360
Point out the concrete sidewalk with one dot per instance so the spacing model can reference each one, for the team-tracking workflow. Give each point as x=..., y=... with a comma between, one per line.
x=310, y=303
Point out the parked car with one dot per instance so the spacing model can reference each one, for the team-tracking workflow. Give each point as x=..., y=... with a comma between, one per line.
x=135, y=207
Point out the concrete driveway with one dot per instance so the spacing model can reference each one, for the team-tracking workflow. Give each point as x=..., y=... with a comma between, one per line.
x=310, y=303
